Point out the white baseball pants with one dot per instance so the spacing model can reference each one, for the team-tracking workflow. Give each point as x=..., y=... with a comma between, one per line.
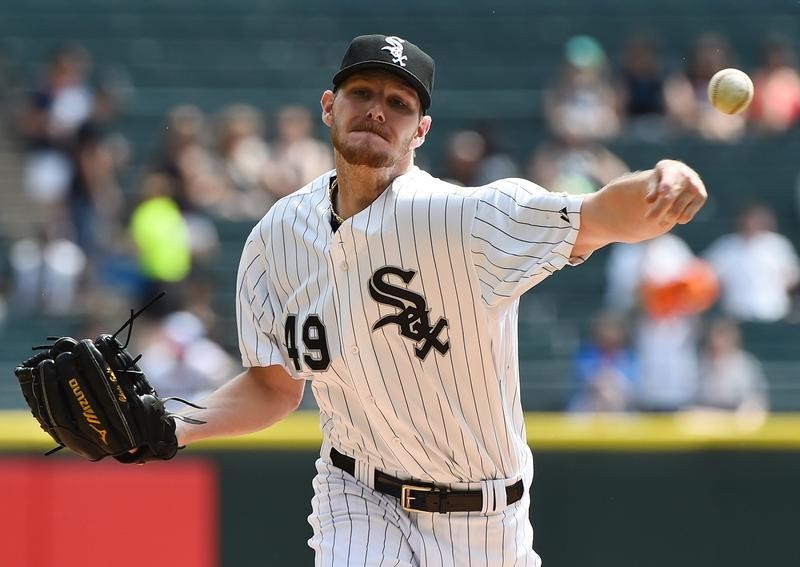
x=356, y=525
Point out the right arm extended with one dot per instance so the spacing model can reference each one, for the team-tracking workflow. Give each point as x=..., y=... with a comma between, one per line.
x=253, y=400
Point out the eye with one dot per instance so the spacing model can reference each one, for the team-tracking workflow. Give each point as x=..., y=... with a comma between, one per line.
x=360, y=92
x=399, y=103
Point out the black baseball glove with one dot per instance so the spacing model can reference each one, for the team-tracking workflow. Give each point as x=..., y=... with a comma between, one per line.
x=92, y=397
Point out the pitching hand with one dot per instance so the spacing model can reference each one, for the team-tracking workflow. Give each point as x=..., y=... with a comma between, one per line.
x=675, y=193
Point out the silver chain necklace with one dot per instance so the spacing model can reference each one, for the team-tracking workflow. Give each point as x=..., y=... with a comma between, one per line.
x=334, y=186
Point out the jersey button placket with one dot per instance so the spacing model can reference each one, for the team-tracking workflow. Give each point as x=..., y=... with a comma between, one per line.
x=347, y=277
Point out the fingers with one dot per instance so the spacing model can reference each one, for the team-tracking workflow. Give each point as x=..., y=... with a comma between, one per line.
x=689, y=212
x=671, y=173
x=675, y=194
x=652, y=188
x=681, y=209
x=667, y=203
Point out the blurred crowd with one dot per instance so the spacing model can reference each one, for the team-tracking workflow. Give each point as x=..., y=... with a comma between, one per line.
x=109, y=228
x=670, y=337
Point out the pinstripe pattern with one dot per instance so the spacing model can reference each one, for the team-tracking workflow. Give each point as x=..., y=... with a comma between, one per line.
x=457, y=260
x=355, y=525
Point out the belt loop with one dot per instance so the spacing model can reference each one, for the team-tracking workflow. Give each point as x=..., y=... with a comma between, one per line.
x=443, y=502
x=325, y=450
x=364, y=473
x=494, y=495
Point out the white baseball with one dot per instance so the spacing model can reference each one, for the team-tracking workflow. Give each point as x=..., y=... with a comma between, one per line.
x=730, y=91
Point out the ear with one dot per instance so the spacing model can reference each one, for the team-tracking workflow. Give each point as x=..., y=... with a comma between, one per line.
x=422, y=131
x=326, y=102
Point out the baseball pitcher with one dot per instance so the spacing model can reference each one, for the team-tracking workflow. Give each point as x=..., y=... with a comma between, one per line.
x=395, y=295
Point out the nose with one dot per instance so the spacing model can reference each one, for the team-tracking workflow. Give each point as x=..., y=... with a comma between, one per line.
x=375, y=113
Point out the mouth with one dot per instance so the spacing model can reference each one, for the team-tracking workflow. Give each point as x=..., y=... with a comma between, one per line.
x=371, y=131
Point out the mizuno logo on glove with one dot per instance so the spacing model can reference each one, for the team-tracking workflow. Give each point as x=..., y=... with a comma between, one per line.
x=88, y=413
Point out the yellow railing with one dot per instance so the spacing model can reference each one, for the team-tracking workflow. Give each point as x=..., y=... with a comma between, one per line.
x=548, y=431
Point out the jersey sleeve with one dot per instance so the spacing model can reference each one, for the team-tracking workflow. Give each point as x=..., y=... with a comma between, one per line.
x=254, y=314
x=521, y=234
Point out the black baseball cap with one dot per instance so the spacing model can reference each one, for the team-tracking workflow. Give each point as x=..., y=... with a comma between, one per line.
x=392, y=54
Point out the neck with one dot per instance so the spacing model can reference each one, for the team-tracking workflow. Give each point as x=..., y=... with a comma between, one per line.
x=360, y=185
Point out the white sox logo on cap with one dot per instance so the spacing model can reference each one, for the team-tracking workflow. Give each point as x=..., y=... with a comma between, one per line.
x=395, y=48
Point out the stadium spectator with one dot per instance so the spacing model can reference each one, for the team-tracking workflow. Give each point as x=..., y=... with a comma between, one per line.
x=180, y=359
x=574, y=164
x=496, y=162
x=582, y=101
x=473, y=158
x=49, y=124
x=162, y=240
x=776, y=103
x=193, y=178
x=686, y=93
x=245, y=157
x=605, y=368
x=188, y=160
x=731, y=378
x=463, y=154
x=640, y=89
x=96, y=200
x=757, y=267
x=299, y=157
x=581, y=112
x=666, y=334
x=47, y=275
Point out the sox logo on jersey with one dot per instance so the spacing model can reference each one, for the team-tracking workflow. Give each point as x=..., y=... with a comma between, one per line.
x=413, y=319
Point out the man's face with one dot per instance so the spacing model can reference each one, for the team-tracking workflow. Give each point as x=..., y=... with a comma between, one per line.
x=375, y=119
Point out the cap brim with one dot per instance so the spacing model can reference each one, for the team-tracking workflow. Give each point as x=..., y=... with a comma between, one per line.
x=407, y=76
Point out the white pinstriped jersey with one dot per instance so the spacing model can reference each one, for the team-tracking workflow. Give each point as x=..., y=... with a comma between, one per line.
x=405, y=318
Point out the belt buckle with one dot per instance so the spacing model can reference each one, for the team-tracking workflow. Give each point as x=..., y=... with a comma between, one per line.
x=405, y=495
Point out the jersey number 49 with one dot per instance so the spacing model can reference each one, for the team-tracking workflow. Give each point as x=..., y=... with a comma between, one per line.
x=316, y=354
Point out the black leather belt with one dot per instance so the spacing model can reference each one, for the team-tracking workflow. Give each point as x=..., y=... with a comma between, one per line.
x=424, y=496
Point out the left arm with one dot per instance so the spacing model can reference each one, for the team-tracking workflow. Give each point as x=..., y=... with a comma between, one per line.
x=640, y=206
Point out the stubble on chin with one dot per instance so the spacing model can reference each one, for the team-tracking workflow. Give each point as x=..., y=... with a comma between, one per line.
x=360, y=153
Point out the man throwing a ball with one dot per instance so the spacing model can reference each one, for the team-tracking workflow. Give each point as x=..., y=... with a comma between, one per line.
x=395, y=295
